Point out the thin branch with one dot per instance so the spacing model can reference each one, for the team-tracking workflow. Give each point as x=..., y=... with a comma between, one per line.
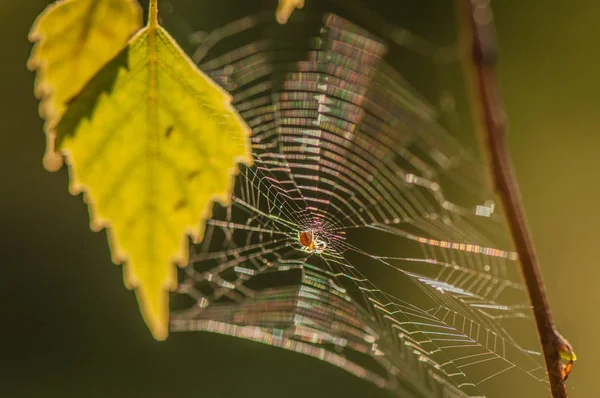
x=484, y=59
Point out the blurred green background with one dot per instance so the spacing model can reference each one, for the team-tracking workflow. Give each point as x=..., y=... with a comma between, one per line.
x=69, y=328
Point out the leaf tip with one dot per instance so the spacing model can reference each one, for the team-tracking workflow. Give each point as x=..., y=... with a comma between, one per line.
x=154, y=307
x=285, y=9
x=53, y=160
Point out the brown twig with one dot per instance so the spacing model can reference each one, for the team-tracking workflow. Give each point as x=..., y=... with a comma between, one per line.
x=493, y=117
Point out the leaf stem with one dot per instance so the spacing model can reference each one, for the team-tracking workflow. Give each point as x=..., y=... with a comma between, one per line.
x=484, y=58
x=153, y=14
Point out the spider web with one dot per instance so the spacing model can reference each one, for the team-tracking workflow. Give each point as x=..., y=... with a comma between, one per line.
x=417, y=289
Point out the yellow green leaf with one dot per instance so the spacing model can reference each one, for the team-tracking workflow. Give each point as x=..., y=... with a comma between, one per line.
x=566, y=351
x=74, y=39
x=152, y=141
x=568, y=356
x=285, y=9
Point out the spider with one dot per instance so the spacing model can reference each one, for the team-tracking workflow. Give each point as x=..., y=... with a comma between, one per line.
x=310, y=242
